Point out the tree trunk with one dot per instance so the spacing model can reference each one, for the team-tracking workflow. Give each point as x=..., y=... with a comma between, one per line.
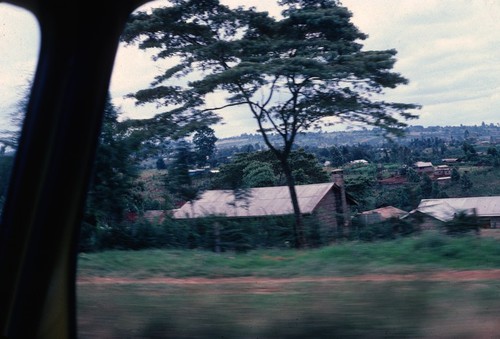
x=298, y=227
x=217, y=237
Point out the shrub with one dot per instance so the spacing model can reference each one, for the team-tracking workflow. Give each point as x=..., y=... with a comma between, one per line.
x=387, y=229
x=430, y=240
x=462, y=223
x=240, y=235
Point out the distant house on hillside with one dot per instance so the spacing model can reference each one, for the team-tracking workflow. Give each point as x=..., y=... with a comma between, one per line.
x=443, y=180
x=442, y=171
x=424, y=167
x=431, y=213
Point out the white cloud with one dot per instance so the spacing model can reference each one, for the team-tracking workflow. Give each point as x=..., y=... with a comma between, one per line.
x=448, y=50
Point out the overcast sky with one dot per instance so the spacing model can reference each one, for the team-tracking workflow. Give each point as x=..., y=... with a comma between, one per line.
x=449, y=50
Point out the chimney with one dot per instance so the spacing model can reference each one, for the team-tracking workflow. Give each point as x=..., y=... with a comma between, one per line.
x=337, y=176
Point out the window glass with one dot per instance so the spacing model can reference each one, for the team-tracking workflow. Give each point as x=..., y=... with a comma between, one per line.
x=373, y=263
x=19, y=46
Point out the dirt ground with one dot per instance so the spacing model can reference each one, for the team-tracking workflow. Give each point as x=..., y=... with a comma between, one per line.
x=447, y=275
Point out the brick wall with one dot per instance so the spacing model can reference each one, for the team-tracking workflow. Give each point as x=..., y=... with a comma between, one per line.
x=326, y=214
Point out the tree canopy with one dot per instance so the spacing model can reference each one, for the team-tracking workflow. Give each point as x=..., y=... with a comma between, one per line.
x=112, y=189
x=291, y=72
x=260, y=169
x=204, y=140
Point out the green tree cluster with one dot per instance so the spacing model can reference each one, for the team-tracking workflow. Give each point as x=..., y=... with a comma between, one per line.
x=204, y=140
x=178, y=181
x=260, y=169
x=113, y=190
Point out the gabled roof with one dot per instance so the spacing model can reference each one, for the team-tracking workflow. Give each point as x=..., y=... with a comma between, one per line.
x=255, y=202
x=445, y=209
x=387, y=212
x=437, y=209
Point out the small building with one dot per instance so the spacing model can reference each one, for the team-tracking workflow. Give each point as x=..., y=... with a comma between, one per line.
x=424, y=167
x=443, y=180
x=381, y=214
x=442, y=171
x=431, y=213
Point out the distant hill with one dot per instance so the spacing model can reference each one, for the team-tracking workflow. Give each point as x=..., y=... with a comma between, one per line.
x=480, y=133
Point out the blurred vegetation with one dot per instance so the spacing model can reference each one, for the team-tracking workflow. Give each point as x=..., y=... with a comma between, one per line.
x=430, y=250
x=299, y=310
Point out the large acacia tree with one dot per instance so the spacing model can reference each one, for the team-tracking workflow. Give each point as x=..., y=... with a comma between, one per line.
x=297, y=72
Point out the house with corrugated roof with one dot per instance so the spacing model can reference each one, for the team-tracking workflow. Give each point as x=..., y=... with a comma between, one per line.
x=431, y=213
x=328, y=202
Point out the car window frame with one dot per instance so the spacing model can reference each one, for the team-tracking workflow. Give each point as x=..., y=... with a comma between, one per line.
x=44, y=204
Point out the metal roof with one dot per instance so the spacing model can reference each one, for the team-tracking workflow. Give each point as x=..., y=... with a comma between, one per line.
x=262, y=201
x=421, y=164
x=445, y=209
x=387, y=212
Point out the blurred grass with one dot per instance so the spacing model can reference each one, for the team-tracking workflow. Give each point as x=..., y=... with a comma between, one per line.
x=314, y=309
x=426, y=252
x=296, y=310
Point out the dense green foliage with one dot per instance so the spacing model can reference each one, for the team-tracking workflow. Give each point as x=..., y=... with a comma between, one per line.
x=112, y=192
x=178, y=181
x=392, y=228
x=463, y=223
x=210, y=234
x=259, y=169
x=204, y=140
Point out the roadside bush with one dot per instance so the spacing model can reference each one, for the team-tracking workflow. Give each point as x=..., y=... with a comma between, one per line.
x=222, y=234
x=146, y=235
x=385, y=230
x=124, y=236
x=240, y=235
x=463, y=223
x=430, y=240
